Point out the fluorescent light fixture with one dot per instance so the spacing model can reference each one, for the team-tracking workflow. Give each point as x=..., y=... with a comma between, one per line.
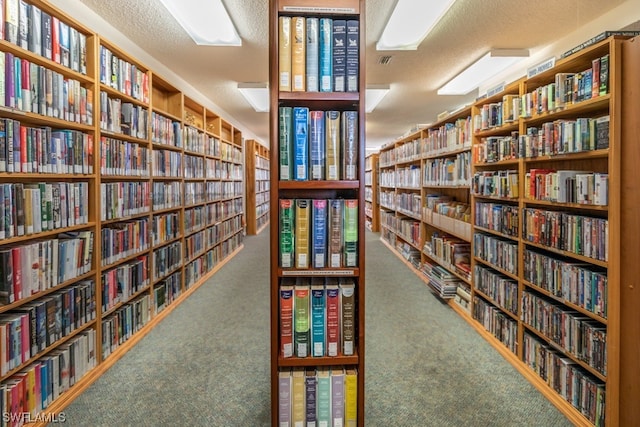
x=410, y=23
x=206, y=21
x=373, y=96
x=256, y=94
x=490, y=65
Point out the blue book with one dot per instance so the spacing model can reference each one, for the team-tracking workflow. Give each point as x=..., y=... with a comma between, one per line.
x=317, y=144
x=353, y=58
x=339, y=54
x=313, y=54
x=44, y=387
x=301, y=143
x=319, y=244
x=311, y=392
x=325, y=63
x=318, y=309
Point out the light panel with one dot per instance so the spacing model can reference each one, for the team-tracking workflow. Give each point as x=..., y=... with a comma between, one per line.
x=206, y=21
x=373, y=95
x=488, y=66
x=410, y=23
x=256, y=94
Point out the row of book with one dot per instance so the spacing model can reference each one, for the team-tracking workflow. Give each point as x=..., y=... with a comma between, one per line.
x=119, y=157
x=123, y=76
x=29, y=208
x=166, y=291
x=497, y=217
x=124, y=199
x=409, y=204
x=168, y=194
x=568, y=186
x=495, y=183
x=165, y=131
x=447, y=206
x=122, y=282
x=566, y=136
x=194, y=193
x=440, y=279
x=33, y=88
x=124, y=322
x=166, y=163
x=324, y=396
x=122, y=117
x=497, y=251
x=194, y=166
x=451, y=252
x=317, y=317
x=25, y=394
x=494, y=320
x=448, y=137
x=33, y=267
x=582, y=285
x=31, y=28
x=318, y=233
x=166, y=259
x=318, y=54
x=220, y=169
x=502, y=290
x=29, y=149
x=318, y=145
x=231, y=153
x=124, y=239
x=166, y=227
x=497, y=148
x=408, y=229
x=27, y=331
x=408, y=177
x=577, y=335
x=454, y=171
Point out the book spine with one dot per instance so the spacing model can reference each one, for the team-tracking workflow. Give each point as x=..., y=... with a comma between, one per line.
x=604, y=75
x=351, y=398
x=325, y=63
x=286, y=233
x=339, y=54
x=298, y=54
x=335, y=232
x=298, y=398
x=319, y=219
x=323, y=398
x=350, y=232
x=318, y=308
x=311, y=384
x=347, y=311
x=332, y=133
x=353, y=56
x=286, y=321
x=302, y=232
x=301, y=320
x=337, y=396
x=301, y=143
x=313, y=54
x=317, y=144
x=350, y=145
x=333, y=317
x=284, y=53
x=284, y=398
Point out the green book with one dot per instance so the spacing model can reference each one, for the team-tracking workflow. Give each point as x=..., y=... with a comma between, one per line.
x=301, y=317
x=323, y=397
x=286, y=233
x=335, y=232
x=285, y=120
x=351, y=233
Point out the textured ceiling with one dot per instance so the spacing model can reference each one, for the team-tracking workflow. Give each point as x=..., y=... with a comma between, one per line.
x=468, y=30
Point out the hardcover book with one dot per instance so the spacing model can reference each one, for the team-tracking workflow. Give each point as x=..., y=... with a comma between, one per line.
x=323, y=397
x=318, y=308
x=284, y=53
x=302, y=234
x=301, y=143
x=287, y=225
x=335, y=232
x=350, y=236
x=337, y=396
x=333, y=316
x=325, y=63
x=332, y=142
x=286, y=318
x=298, y=54
x=298, y=389
x=350, y=145
x=301, y=318
x=285, y=120
x=317, y=144
x=347, y=311
x=313, y=54
x=351, y=398
x=353, y=56
x=284, y=398
x=311, y=385
x=319, y=233
x=339, y=54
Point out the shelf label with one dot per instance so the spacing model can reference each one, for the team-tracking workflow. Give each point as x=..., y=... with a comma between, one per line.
x=495, y=90
x=542, y=67
x=317, y=9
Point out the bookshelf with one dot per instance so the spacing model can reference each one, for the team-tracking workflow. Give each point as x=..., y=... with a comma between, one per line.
x=311, y=351
x=117, y=158
x=258, y=181
x=371, y=206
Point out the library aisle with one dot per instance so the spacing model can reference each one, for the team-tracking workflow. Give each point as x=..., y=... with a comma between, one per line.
x=207, y=363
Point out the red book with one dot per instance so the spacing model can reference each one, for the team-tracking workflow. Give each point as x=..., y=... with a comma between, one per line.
x=333, y=317
x=286, y=320
x=55, y=42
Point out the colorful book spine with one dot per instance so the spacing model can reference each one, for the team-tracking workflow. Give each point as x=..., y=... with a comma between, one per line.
x=286, y=320
x=325, y=63
x=298, y=54
x=313, y=54
x=333, y=316
x=298, y=409
x=318, y=308
x=311, y=386
x=332, y=143
x=317, y=144
x=350, y=236
x=284, y=53
x=301, y=143
x=353, y=56
x=284, y=398
x=287, y=224
x=347, y=312
x=319, y=220
x=339, y=54
x=301, y=319
x=302, y=234
x=323, y=397
x=350, y=144
x=351, y=398
x=335, y=232
x=285, y=121
x=337, y=396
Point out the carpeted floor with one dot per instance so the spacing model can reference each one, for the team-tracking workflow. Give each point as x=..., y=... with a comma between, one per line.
x=207, y=363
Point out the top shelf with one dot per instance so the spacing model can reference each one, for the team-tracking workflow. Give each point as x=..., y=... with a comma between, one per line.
x=330, y=7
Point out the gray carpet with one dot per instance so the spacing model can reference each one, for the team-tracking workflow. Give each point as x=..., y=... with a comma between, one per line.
x=207, y=364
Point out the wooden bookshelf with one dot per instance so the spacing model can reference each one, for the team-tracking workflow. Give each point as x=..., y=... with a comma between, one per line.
x=125, y=124
x=258, y=180
x=318, y=185
x=371, y=205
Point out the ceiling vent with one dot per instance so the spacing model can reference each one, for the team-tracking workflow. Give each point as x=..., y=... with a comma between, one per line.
x=384, y=59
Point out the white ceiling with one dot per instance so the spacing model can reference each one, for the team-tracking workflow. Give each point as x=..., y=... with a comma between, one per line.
x=466, y=32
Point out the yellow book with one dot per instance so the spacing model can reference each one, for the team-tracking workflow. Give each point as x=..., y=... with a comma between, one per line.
x=351, y=398
x=298, y=54
x=284, y=53
x=297, y=398
x=332, y=142
x=303, y=232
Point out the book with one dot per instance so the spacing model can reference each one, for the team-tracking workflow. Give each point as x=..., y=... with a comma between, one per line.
x=301, y=143
x=286, y=318
x=604, y=75
x=335, y=232
x=323, y=397
x=287, y=226
x=352, y=55
x=65, y=43
x=319, y=233
x=11, y=20
x=325, y=62
x=285, y=125
x=301, y=318
x=317, y=144
x=302, y=233
x=333, y=316
x=298, y=409
x=284, y=398
x=332, y=143
x=313, y=54
x=23, y=24
x=35, y=30
x=310, y=385
x=298, y=54
x=347, y=313
x=602, y=132
x=350, y=234
x=350, y=143
x=339, y=54
x=284, y=53
x=351, y=398
x=318, y=308
x=337, y=396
